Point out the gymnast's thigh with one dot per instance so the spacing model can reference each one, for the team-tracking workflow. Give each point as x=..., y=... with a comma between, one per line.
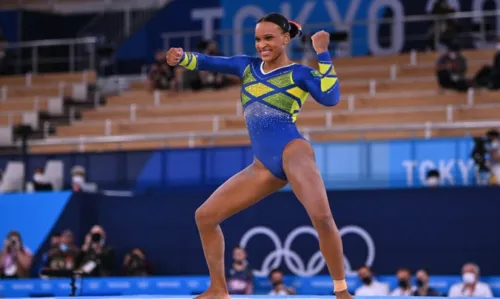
x=241, y=191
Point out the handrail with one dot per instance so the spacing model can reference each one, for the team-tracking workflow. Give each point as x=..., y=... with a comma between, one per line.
x=50, y=42
x=238, y=133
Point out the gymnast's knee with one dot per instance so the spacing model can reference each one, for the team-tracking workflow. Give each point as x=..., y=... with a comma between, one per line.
x=205, y=218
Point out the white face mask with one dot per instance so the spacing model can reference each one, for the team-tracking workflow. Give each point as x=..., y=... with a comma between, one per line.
x=495, y=143
x=432, y=181
x=469, y=278
x=77, y=179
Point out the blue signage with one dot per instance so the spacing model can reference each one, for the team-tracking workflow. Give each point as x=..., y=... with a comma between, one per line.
x=188, y=286
x=343, y=165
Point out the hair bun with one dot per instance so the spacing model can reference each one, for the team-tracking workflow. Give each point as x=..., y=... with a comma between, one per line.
x=295, y=29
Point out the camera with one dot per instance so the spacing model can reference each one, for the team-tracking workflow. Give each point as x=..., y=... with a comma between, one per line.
x=96, y=237
x=13, y=242
x=478, y=154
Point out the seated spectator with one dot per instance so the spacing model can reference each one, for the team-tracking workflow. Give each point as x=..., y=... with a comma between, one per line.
x=279, y=287
x=433, y=178
x=370, y=287
x=451, y=69
x=136, y=264
x=489, y=76
x=3, y=51
x=97, y=257
x=15, y=258
x=65, y=256
x=240, y=278
x=204, y=79
x=405, y=288
x=78, y=181
x=423, y=288
x=40, y=182
x=162, y=75
x=470, y=285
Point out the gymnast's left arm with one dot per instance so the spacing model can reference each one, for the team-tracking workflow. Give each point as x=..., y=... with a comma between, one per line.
x=323, y=85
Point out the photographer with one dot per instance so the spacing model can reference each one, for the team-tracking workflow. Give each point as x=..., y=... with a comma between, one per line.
x=493, y=149
x=64, y=256
x=478, y=155
x=97, y=257
x=15, y=258
x=135, y=264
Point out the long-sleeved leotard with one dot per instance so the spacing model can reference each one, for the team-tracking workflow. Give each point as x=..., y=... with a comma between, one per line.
x=271, y=101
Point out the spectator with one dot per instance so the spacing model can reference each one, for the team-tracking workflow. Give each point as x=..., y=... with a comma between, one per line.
x=370, y=287
x=55, y=241
x=489, y=76
x=78, y=181
x=40, y=182
x=204, y=79
x=64, y=256
x=404, y=283
x=451, y=69
x=423, y=288
x=162, y=75
x=15, y=258
x=3, y=50
x=136, y=264
x=470, y=285
x=279, y=287
x=433, y=178
x=240, y=278
x=493, y=137
x=97, y=257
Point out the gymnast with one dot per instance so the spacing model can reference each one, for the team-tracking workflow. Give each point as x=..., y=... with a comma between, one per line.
x=274, y=90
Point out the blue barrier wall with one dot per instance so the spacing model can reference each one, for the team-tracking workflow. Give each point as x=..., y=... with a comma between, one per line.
x=386, y=229
x=319, y=285
x=384, y=164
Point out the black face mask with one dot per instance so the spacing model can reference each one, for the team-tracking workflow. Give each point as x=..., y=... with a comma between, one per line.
x=277, y=283
x=367, y=280
x=403, y=283
x=420, y=283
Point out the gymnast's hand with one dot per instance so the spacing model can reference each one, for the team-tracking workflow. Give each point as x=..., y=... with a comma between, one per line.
x=174, y=56
x=320, y=41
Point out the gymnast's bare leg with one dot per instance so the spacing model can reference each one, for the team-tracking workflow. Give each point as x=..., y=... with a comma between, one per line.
x=306, y=182
x=238, y=193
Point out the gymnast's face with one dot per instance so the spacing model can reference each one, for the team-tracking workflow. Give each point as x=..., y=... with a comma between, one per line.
x=270, y=41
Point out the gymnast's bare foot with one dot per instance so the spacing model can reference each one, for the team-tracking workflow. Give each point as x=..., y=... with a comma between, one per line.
x=214, y=294
x=343, y=295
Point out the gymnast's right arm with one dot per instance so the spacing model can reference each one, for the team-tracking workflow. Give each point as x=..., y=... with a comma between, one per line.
x=234, y=65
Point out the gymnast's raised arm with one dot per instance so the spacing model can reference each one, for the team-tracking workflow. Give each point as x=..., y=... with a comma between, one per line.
x=234, y=65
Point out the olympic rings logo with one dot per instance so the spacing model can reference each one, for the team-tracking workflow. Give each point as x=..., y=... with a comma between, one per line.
x=293, y=261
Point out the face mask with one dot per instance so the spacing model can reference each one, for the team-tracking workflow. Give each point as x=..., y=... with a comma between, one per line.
x=367, y=280
x=77, y=179
x=469, y=278
x=432, y=181
x=63, y=247
x=498, y=46
x=39, y=178
x=495, y=143
x=277, y=283
x=420, y=283
x=403, y=283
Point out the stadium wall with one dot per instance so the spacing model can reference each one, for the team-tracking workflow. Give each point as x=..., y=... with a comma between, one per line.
x=343, y=165
x=208, y=16
x=385, y=229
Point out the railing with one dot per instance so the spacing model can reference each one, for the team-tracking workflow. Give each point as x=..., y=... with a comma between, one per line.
x=59, y=55
x=475, y=33
x=427, y=128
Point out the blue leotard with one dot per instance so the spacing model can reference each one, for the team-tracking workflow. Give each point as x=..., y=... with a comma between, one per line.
x=271, y=101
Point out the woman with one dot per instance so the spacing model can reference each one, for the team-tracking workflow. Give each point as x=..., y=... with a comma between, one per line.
x=15, y=258
x=274, y=89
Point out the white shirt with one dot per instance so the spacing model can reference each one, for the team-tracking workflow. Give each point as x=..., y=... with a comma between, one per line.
x=374, y=289
x=481, y=290
x=400, y=292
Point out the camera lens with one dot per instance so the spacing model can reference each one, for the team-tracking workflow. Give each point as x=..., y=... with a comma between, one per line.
x=96, y=237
